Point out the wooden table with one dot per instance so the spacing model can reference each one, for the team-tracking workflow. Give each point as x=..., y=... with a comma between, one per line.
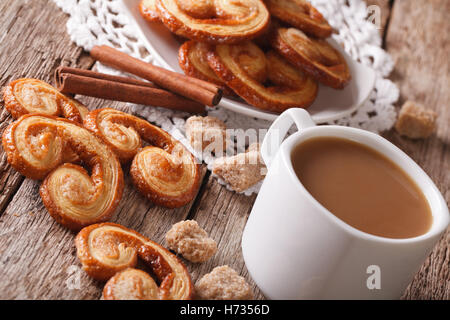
x=37, y=255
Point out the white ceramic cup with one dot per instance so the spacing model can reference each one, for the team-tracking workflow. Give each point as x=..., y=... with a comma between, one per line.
x=294, y=248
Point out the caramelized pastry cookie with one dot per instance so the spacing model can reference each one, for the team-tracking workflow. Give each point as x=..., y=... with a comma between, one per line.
x=165, y=172
x=265, y=81
x=24, y=96
x=302, y=15
x=108, y=248
x=147, y=8
x=214, y=21
x=131, y=284
x=35, y=147
x=315, y=56
x=192, y=59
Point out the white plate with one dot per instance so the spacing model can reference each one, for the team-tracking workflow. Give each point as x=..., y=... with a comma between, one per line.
x=330, y=104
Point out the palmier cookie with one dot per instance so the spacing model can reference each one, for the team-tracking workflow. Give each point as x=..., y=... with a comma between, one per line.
x=35, y=146
x=316, y=57
x=165, y=171
x=26, y=95
x=302, y=15
x=108, y=250
x=214, y=21
x=192, y=57
x=265, y=81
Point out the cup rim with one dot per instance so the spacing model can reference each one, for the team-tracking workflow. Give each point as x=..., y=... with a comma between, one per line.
x=292, y=141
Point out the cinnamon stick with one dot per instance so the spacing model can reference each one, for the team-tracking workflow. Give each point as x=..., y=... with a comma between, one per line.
x=94, y=84
x=192, y=88
x=92, y=74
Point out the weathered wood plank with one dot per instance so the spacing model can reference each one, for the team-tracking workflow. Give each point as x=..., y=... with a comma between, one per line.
x=27, y=50
x=223, y=214
x=419, y=45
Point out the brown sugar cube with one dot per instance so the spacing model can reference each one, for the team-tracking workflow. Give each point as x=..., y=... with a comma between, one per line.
x=415, y=121
x=242, y=170
x=223, y=283
x=205, y=132
x=191, y=241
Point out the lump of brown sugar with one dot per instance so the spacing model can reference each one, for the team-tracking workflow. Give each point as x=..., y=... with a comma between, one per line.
x=203, y=132
x=191, y=241
x=415, y=121
x=242, y=170
x=223, y=283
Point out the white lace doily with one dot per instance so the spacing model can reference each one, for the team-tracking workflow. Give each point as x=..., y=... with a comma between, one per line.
x=95, y=22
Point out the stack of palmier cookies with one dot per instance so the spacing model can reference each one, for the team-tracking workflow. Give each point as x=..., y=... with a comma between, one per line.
x=271, y=53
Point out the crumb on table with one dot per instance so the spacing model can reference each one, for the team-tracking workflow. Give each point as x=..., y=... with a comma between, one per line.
x=415, y=121
x=191, y=241
x=223, y=283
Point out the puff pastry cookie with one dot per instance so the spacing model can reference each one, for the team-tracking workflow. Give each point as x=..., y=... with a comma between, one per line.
x=302, y=15
x=165, y=172
x=314, y=56
x=214, y=21
x=107, y=249
x=35, y=146
x=131, y=284
x=192, y=57
x=264, y=80
x=24, y=96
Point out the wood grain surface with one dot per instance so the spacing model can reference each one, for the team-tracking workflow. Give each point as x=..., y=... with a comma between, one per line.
x=420, y=46
x=37, y=256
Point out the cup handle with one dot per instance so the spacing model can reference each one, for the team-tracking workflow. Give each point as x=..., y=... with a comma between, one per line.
x=279, y=128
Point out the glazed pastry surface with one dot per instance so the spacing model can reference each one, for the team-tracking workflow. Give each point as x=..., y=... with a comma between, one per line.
x=131, y=284
x=214, y=21
x=166, y=172
x=264, y=80
x=302, y=15
x=147, y=9
x=192, y=58
x=35, y=146
x=107, y=248
x=315, y=56
x=24, y=96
